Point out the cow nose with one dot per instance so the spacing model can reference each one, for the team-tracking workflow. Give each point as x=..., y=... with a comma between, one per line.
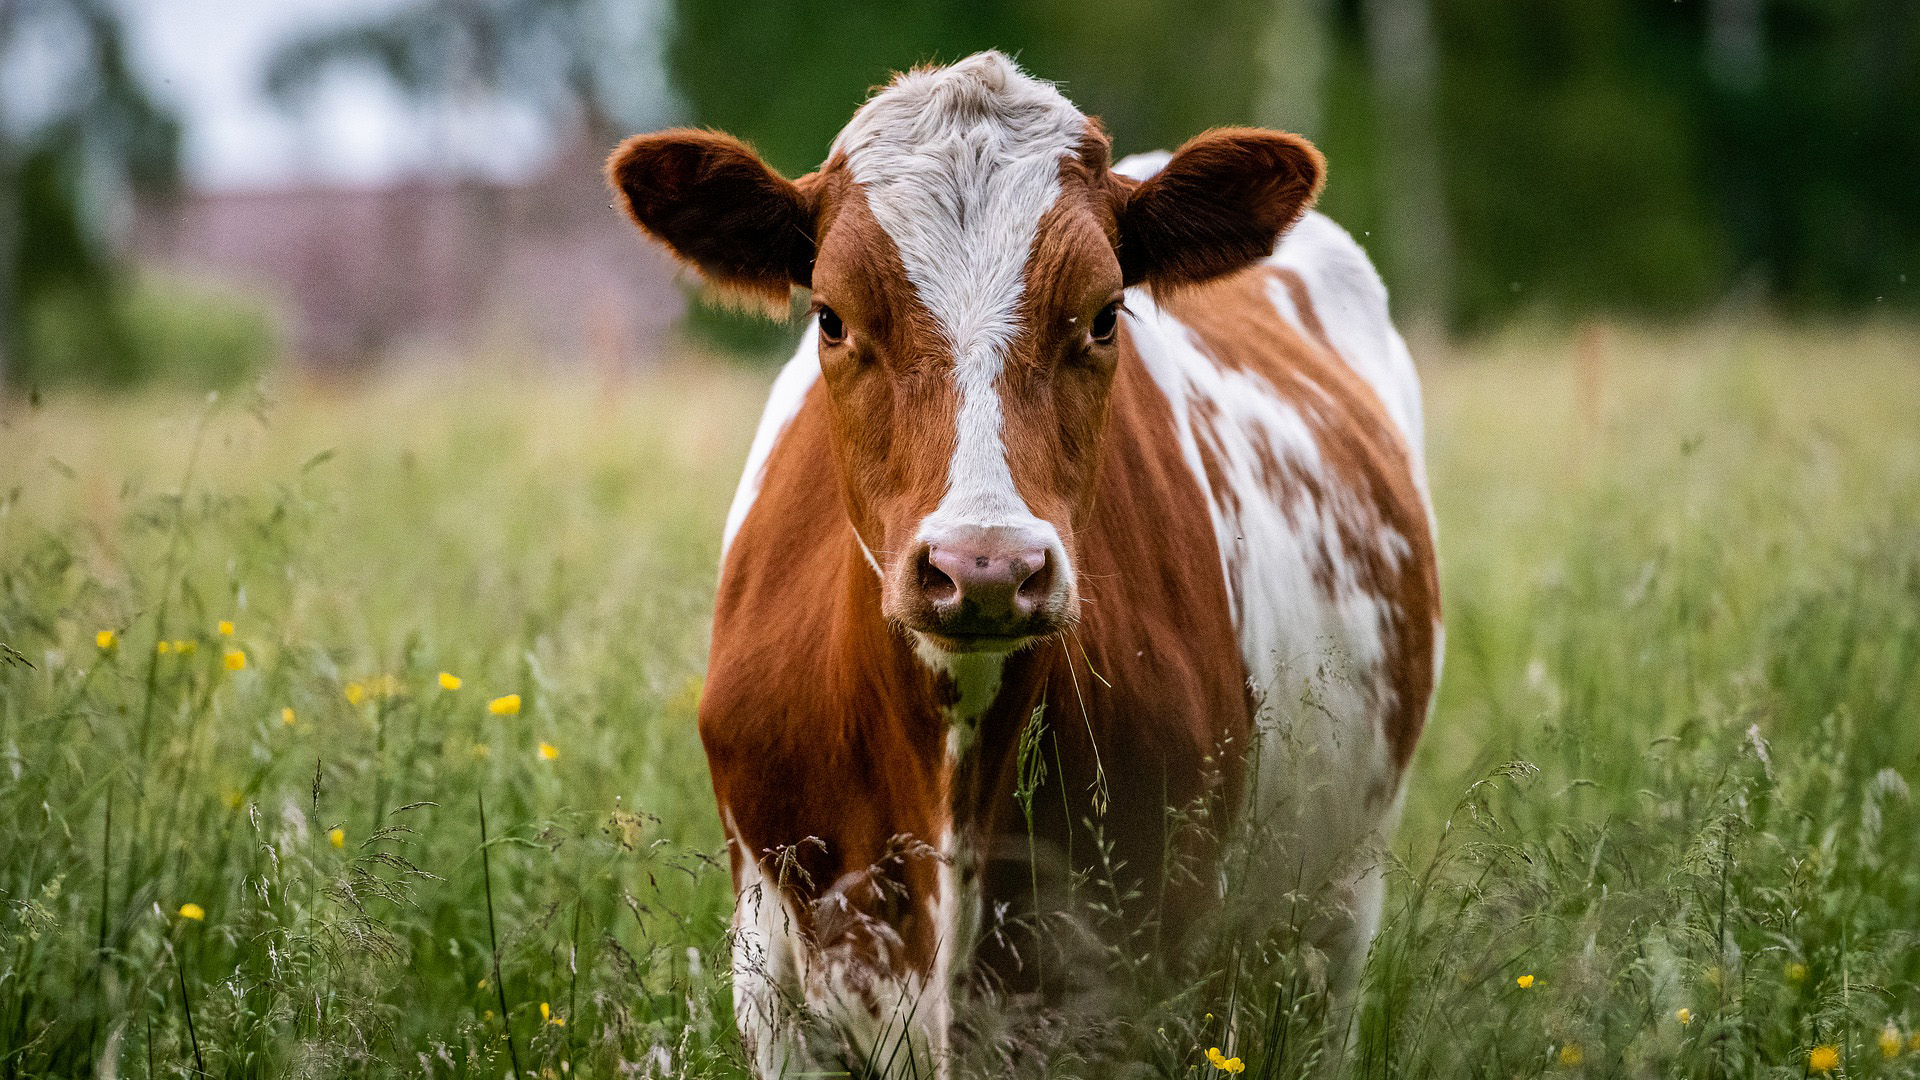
x=985, y=588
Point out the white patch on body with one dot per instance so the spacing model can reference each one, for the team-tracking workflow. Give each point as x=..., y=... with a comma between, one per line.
x=783, y=404
x=769, y=966
x=802, y=1010
x=1316, y=654
x=1351, y=302
x=958, y=165
x=1352, y=305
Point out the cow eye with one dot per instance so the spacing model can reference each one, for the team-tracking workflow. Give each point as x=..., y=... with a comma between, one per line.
x=832, y=330
x=1105, y=323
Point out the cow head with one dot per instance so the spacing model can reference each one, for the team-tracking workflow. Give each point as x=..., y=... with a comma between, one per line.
x=969, y=249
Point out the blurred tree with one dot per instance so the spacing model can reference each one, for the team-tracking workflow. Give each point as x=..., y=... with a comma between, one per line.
x=1553, y=157
x=1403, y=59
x=1573, y=160
x=582, y=63
x=79, y=133
x=1812, y=149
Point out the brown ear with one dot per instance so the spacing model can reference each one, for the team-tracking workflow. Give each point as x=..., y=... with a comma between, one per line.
x=1219, y=205
x=712, y=200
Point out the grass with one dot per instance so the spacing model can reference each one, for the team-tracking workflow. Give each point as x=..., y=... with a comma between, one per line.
x=1669, y=769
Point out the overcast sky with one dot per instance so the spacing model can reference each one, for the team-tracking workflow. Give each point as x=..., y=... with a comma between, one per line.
x=206, y=57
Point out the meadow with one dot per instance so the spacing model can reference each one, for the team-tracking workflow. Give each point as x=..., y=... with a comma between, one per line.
x=349, y=730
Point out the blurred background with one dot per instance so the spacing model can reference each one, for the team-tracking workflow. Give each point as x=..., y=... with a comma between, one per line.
x=194, y=191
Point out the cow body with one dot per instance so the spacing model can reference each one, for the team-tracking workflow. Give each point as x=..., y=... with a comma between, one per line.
x=1246, y=572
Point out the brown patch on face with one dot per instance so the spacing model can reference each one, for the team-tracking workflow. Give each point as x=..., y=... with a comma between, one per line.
x=1057, y=380
x=890, y=386
x=1369, y=486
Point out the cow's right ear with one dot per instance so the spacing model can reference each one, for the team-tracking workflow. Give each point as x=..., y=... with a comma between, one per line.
x=710, y=198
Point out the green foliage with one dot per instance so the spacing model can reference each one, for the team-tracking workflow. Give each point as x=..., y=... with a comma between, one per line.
x=1669, y=769
x=153, y=329
x=1156, y=73
x=1592, y=160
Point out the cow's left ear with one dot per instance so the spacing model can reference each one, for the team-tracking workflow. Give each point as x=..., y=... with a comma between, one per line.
x=711, y=199
x=1219, y=205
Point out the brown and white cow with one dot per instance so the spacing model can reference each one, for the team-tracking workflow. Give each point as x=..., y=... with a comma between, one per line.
x=1137, y=446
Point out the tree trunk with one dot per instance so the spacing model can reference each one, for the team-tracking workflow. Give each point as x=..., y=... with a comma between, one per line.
x=1403, y=59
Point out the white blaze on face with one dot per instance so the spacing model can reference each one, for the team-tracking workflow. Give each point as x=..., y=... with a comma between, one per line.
x=958, y=165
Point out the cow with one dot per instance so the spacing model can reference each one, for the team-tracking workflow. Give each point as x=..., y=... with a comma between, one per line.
x=1123, y=462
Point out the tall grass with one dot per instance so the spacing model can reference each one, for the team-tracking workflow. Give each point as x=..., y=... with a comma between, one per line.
x=1666, y=784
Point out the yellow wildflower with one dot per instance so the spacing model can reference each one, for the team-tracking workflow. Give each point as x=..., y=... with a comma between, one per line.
x=337, y=837
x=1224, y=1063
x=355, y=693
x=1913, y=1042
x=549, y=752
x=226, y=627
x=234, y=799
x=286, y=716
x=235, y=660
x=1524, y=982
x=1889, y=1041
x=1684, y=1015
x=191, y=910
x=1823, y=1059
x=1571, y=1055
x=185, y=648
x=482, y=984
x=546, y=1014
x=163, y=647
x=1796, y=972
x=105, y=639
x=449, y=681
x=505, y=706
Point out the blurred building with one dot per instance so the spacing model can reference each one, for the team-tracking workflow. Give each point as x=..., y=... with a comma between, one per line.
x=539, y=270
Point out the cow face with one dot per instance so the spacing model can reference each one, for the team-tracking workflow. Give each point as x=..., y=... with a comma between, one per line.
x=968, y=249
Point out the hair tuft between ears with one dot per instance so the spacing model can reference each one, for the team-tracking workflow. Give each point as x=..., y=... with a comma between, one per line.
x=710, y=199
x=1219, y=205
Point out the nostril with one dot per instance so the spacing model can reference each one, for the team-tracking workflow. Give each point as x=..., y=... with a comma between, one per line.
x=1034, y=573
x=935, y=585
